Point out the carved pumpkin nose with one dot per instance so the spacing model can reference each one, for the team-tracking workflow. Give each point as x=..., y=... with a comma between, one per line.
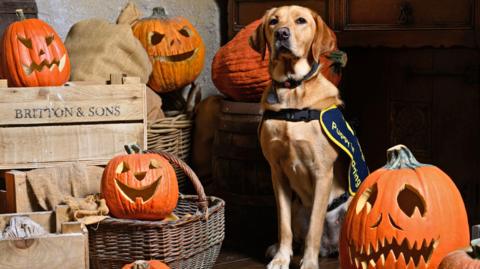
x=41, y=52
x=140, y=175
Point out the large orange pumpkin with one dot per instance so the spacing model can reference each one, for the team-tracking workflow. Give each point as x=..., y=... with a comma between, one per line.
x=240, y=73
x=405, y=215
x=153, y=264
x=32, y=54
x=140, y=186
x=175, y=48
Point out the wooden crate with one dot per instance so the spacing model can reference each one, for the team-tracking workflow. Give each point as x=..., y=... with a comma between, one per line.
x=55, y=250
x=47, y=126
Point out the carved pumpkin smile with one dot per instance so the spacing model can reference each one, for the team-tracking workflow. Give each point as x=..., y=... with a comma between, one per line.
x=176, y=58
x=145, y=193
x=375, y=255
x=28, y=69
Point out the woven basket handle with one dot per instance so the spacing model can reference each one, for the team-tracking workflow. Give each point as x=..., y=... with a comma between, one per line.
x=202, y=198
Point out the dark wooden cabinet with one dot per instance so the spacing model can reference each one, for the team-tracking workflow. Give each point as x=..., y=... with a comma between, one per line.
x=413, y=78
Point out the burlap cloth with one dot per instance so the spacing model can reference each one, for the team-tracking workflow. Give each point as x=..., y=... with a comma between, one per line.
x=74, y=185
x=98, y=48
x=50, y=186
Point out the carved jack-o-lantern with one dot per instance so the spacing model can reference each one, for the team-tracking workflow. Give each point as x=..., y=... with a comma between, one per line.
x=140, y=186
x=175, y=48
x=405, y=215
x=32, y=54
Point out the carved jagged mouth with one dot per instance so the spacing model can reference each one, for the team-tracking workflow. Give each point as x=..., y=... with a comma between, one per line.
x=177, y=57
x=50, y=65
x=420, y=253
x=145, y=193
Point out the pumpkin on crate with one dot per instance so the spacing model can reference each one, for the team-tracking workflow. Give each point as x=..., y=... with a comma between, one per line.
x=405, y=215
x=240, y=73
x=139, y=186
x=463, y=259
x=32, y=54
x=175, y=48
x=140, y=264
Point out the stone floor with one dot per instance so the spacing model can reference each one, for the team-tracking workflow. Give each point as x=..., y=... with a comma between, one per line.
x=230, y=259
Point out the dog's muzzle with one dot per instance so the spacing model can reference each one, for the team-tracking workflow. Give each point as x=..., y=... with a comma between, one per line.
x=282, y=40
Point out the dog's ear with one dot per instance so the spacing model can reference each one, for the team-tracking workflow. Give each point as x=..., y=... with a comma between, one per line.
x=258, y=39
x=324, y=39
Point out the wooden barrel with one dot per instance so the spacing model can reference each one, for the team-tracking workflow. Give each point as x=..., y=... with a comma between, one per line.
x=241, y=176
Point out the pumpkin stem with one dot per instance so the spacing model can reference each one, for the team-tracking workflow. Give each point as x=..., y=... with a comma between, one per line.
x=140, y=265
x=399, y=157
x=159, y=13
x=134, y=148
x=20, y=14
x=475, y=248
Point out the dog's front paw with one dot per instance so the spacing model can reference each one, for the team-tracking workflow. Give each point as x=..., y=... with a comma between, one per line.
x=309, y=264
x=280, y=261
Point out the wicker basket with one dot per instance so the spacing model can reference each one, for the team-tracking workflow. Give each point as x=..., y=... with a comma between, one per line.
x=172, y=134
x=189, y=243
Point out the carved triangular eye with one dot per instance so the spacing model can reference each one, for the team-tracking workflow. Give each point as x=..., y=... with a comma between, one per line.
x=154, y=164
x=185, y=31
x=367, y=199
x=49, y=39
x=122, y=168
x=408, y=199
x=27, y=42
x=155, y=37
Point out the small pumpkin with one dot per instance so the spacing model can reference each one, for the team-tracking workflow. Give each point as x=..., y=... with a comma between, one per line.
x=463, y=259
x=240, y=73
x=405, y=215
x=140, y=264
x=139, y=186
x=175, y=48
x=32, y=54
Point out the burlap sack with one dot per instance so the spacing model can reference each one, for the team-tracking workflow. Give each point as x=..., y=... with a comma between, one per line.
x=98, y=48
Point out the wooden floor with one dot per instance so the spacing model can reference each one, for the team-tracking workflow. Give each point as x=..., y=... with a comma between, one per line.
x=230, y=259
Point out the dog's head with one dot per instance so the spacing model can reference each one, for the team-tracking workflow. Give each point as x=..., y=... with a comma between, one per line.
x=292, y=33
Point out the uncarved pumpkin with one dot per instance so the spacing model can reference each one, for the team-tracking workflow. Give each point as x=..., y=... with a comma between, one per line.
x=405, y=215
x=32, y=54
x=140, y=186
x=175, y=48
x=153, y=264
x=240, y=73
x=468, y=258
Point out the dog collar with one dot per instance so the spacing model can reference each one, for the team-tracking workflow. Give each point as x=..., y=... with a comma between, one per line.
x=292, y=114
x=292, y=83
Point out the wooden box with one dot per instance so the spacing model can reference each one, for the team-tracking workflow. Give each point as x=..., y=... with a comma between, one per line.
x=55, y=250
x=47, y=126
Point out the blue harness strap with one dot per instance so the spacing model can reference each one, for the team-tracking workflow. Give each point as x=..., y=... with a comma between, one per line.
x=339, y=132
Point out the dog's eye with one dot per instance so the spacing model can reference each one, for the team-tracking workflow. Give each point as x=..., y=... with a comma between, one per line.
x=273, y=21
x=300, y=20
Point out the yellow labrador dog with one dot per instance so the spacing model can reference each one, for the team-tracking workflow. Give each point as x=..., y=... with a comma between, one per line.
x=307, y=173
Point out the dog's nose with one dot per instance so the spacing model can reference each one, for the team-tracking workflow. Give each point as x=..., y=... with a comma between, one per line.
x=282, y=33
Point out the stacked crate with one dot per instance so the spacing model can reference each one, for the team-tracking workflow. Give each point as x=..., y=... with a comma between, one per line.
x=44, y=127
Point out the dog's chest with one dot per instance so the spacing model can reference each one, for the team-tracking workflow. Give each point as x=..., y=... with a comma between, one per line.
x=285, y=139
